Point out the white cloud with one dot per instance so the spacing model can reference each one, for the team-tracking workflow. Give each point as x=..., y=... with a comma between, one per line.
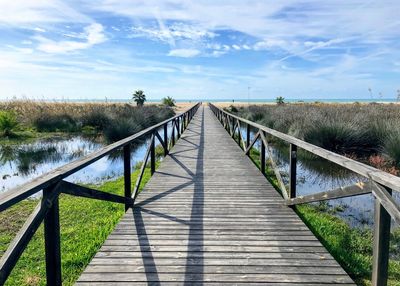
x=236, y=47
x=17, y=12
x=276, y=24
x=268, y=44
x=184, y=53
x=173, y=32
x=40, y=30
x=92, y=35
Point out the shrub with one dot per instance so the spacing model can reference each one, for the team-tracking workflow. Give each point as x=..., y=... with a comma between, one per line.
x=96, y=118
x=233, y=109
x=8, y=122
x=334, y=136
x=55, y=122
x=120, y=128
x=392, y=146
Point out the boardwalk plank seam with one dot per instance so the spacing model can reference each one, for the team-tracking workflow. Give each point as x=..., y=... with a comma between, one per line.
x=208, y=216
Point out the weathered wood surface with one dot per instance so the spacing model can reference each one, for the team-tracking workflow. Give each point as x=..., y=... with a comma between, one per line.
x=208, y=216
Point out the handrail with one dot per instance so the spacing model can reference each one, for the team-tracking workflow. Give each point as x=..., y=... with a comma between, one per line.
x=380, y=183
x=377, y=175
x=26, y=190
x=52, y=184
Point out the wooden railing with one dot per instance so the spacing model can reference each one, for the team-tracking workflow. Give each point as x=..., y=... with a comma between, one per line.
x=53, y=185
x=380, y=184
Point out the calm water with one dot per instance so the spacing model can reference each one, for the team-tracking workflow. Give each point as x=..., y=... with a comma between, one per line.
x=22, y=163
x=316, y=175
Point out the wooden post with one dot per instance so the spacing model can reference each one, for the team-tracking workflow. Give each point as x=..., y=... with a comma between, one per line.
x=52, y=240
x=152, y=155
x=177, y=127
x=127, y=173
x=248, y=136
x=262, y=157
x=380, y=258
x=166, y=139
x=293, y=170
x=173, y=133
x=239, y=135
x=233, y=127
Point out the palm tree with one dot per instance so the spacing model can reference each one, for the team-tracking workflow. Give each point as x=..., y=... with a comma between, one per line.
x=168, y=101
x=280, y=100
x=139, y=97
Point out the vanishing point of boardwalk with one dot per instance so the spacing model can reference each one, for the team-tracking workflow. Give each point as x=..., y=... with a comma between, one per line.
x=208, y=216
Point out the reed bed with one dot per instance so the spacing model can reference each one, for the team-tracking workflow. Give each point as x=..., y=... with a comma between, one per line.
x=114, y=120
x=370, y=132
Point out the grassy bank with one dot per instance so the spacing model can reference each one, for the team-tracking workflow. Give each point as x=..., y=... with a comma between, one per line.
x=370, y=132
x=25, y=119
x=85, y=224
x=351, y=247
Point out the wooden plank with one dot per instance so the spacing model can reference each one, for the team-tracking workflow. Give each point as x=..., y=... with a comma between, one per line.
x=207, y=277
x=85, y=192
x=275, y=167
x=209, y=216
x=359, y=188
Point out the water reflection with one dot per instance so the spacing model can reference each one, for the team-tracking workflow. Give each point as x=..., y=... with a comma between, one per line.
x=21, y=163
x=315, y=174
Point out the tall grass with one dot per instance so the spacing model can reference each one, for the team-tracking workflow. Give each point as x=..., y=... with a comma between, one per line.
x=115, y=121
x=362, y=130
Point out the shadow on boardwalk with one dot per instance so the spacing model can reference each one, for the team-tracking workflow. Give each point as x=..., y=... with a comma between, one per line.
x=195, y=245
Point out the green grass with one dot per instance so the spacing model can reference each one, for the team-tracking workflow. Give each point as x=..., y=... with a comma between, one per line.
x=351, y=247
x=85, y=224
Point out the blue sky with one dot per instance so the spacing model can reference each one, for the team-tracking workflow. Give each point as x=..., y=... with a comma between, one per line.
x=55, y=49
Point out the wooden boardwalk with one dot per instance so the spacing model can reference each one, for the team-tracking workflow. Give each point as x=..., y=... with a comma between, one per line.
x=208, y=216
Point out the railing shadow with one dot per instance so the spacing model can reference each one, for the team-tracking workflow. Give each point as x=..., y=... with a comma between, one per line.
x=195, y=223
x=195, y=246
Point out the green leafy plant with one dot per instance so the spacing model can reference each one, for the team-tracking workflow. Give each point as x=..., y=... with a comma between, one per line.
x=168, y=101
x=392, y=146
x=139, y=97
x=280, y=100
x=8, y=123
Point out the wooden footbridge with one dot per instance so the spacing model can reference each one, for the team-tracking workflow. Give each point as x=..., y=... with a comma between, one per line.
x=208, y=215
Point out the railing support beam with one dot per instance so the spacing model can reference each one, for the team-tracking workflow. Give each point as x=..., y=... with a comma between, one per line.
x=165, y=139
x=173, y=133
x=380, y=259
x=127, y=174
x=52, y=240
x=262, y=157
x=247, y=136
x=293, y=171
x=152, y=155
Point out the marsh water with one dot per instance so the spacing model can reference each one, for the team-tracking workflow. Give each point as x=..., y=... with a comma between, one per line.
x=315, y=175
x=24, y=162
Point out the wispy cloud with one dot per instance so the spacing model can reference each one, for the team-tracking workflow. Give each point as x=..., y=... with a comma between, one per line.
x=92, y=35
x=184, y=53
x=24, y=12
x=289, y=47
